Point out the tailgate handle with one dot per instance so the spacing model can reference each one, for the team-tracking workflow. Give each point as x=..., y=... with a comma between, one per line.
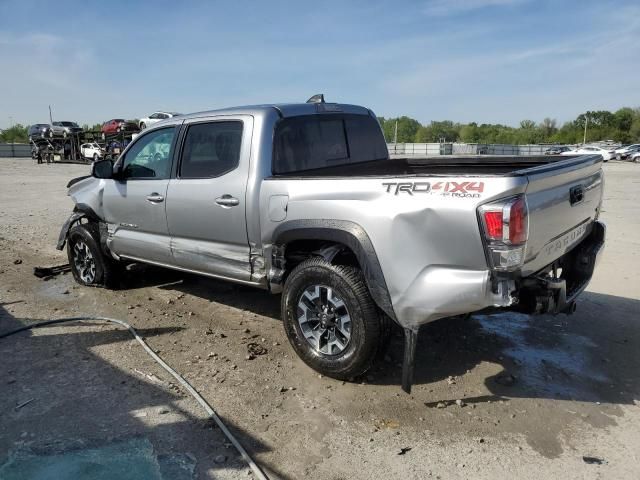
x=576, y=194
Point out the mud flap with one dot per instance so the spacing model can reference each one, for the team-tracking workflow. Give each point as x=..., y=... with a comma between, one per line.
x=410, y=341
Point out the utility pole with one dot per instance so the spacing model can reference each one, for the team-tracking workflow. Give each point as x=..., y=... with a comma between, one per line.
x=50, y=117
x=586, y=121
x=395, y=134
x=10, y=121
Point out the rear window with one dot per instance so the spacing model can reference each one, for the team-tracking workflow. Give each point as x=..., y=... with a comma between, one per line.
x=318, y=141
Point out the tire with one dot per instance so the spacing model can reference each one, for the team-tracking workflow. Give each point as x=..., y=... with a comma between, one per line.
x=143, y=126
x=354, y=312
x=95, y=157
x=89, y=265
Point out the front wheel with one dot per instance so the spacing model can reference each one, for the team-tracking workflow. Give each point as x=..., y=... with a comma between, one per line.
x=89, y=265
x=95, y=157
x=143, y=126
x=330, y=318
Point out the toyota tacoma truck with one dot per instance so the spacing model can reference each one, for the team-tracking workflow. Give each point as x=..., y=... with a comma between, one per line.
x=303, y=200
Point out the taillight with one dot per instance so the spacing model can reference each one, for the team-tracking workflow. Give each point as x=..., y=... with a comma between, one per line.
x=493, y=223
x=518, y=225
x=505, y=226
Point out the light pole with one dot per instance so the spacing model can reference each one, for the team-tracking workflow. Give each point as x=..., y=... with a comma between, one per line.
x=586, y=122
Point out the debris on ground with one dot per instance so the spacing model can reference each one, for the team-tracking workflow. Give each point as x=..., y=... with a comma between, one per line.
x=593, y=460
x=460, y=403
x=220, y=459
x=255, y=349
x=17, y=261
x=47, y=273
x=451, y=380
x=386, y=423
x=404, y=450
x=506, y=379
x=24, y=404
x=441, y=405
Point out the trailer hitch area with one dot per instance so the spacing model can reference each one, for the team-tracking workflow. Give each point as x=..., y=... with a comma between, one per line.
x=549, y=295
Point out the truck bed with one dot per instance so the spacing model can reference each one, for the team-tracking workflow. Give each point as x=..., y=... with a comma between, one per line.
x=475, y=165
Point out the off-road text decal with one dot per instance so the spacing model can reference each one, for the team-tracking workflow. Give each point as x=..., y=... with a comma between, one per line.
x=445, y=189
x=408, y=187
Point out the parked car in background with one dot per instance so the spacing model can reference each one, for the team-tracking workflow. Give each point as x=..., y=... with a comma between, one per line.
x=627, y=150
x=155, y=117
x=607, y=154
x=92, y=151
x=64, y=129
x=557, y=150
x=39, y=130
x=117, y=125
x=634, y=157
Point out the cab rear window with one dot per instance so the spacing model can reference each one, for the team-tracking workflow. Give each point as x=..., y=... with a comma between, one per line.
x=318, y=141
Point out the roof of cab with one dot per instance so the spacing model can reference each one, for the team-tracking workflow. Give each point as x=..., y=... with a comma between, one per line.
x=284, y=110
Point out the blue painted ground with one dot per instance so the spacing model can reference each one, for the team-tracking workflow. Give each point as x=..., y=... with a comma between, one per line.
x=134, y=459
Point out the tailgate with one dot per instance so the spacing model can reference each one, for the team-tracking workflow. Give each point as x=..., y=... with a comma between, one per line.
x=563, y=199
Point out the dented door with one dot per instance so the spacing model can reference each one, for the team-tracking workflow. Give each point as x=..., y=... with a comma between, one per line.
x=206, y=208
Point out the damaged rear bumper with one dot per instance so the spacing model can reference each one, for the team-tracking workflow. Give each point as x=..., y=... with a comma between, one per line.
x=555, y=289
x=440, y=291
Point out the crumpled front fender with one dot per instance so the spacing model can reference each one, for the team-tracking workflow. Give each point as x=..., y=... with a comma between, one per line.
x=80, y=211
x=73, y=218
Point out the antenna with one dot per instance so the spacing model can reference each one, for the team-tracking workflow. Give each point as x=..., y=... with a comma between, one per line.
x=317, y=98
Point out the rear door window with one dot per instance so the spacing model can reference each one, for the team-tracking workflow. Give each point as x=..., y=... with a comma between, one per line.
x=211, y=149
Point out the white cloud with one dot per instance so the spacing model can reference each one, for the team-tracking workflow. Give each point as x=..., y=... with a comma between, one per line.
x=448, y=8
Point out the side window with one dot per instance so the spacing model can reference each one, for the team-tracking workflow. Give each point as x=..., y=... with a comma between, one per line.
x=150, y=156
x=211, y=149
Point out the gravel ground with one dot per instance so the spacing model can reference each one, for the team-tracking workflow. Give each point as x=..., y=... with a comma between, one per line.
x=539, y=397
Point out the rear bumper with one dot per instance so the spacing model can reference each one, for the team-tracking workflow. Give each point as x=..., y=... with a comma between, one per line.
x=440, y=291
x=546, y=293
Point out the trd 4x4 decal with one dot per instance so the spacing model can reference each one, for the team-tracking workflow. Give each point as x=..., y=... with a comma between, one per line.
x=445, y=189
x=459, y=189
x=408, y=187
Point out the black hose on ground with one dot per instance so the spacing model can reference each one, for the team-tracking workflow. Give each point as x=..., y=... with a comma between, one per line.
x=210, y=411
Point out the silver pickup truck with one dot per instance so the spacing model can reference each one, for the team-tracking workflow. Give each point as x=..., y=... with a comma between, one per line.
x=303, y=200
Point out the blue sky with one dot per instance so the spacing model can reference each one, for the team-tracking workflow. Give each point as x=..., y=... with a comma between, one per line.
x=465, y=60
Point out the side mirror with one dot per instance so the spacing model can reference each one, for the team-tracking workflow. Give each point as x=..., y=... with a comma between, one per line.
x=102, y=169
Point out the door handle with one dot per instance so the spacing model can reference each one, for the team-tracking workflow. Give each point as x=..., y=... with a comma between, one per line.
x=155, y=198
x=227, y=201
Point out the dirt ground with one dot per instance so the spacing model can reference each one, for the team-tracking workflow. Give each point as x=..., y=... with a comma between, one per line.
x=542, y=397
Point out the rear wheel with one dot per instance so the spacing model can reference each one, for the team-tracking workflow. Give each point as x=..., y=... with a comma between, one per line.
x=331, y=319
x=95, y=157
x=89, y=265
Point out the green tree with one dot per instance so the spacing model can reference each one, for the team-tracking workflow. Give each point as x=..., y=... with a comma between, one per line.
x=15, y=134
x=407, y=128
x=548, y=127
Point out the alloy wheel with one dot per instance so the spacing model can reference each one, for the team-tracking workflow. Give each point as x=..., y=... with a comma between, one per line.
x=84, y=262
x=324, y=320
